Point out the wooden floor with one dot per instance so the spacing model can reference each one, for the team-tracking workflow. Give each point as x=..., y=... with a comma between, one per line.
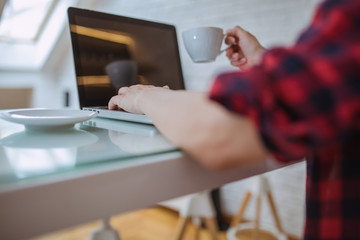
x=149, y=224
x=156, y=223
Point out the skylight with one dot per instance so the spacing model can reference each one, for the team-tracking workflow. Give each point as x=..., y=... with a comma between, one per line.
x=29, y=31
x=23, y=20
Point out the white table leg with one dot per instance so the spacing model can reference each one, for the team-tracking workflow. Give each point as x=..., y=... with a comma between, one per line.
x=104, y=232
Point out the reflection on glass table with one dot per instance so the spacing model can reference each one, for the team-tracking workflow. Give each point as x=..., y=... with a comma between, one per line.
x=139, y=144
x=29, y=153
x=39, y=152
x=122, y=140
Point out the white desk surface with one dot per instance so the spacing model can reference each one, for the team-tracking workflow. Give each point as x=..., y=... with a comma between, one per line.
x=57, y=179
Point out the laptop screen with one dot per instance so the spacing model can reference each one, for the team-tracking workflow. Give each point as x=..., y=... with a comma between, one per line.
x=113, y=51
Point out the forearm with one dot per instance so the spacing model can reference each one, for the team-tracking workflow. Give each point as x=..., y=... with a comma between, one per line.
x=204, y=129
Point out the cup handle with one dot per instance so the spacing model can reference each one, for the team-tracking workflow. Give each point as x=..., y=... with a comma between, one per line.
x=225, y=49
x=221, y=51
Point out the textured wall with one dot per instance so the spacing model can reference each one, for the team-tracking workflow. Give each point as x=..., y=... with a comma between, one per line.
x=272, y=21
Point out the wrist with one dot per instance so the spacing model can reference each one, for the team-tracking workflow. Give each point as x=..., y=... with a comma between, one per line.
x=146, y=99
x=139, y=102
x=258, y=55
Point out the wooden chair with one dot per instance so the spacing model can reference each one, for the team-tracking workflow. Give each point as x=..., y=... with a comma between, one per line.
x=198, y=208
x=260, y=189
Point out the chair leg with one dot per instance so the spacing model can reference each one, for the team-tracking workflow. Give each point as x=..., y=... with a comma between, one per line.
x=181, y=227
x=212, y=227
x=274, y=212
x=257, y=218
x=238, y=217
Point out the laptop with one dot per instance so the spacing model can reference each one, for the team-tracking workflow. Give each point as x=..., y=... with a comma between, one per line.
x=112, y=51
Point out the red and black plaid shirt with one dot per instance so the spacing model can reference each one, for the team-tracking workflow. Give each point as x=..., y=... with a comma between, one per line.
x=305, y=101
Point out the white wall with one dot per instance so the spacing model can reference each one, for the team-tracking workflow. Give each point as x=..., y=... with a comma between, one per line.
x=272, y=21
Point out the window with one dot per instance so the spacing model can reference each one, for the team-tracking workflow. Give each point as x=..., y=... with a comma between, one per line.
x=29, y=31
x=24, y=20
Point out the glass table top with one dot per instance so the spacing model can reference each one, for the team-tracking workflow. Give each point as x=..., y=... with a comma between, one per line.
x=26, y=154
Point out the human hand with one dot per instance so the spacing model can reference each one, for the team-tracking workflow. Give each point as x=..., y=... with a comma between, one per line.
x=128, y=98
x=245, y=50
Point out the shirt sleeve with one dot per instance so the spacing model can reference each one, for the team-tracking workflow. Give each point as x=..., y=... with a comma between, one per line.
x=305, y=96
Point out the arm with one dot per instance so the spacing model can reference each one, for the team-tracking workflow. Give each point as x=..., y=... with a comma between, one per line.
x=204, y=129
x=216, y=137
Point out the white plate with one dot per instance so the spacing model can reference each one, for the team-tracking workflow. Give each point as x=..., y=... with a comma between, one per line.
x=37, y=119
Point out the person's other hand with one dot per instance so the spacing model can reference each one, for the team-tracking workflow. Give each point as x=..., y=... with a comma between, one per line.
x=128, y=98
x=245, y=50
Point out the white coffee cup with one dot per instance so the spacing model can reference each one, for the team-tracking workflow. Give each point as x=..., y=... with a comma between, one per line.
x=203, y=44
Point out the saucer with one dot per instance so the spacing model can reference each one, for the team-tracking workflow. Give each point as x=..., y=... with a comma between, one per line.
x=43, y=119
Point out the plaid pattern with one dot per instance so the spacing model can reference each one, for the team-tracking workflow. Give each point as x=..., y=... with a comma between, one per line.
x=305, y=101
